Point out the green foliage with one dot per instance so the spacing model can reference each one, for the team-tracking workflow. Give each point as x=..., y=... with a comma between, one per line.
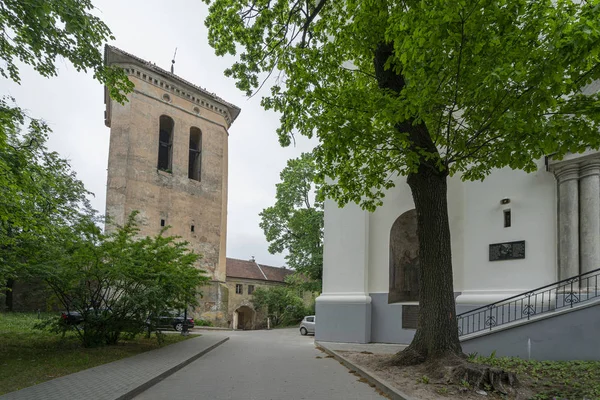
x=38, y=32
x=39, y=192
x=485, y=84
x=282, y=304
x=552, y=379
x=203, y=322
x=117, y=280
x=295, y=223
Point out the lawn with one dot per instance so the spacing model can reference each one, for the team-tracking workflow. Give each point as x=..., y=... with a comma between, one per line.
x=29, y=356
x=553, y=379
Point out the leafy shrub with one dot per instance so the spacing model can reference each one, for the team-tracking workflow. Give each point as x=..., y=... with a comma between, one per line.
x=282, y=304
x=115, y=281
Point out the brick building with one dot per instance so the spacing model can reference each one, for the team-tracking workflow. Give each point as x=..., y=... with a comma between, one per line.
x=168, y=160
x=243, y=278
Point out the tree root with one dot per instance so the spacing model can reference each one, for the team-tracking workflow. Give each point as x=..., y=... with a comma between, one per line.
x=483, y=377
x=455, y=369
x=407, y=357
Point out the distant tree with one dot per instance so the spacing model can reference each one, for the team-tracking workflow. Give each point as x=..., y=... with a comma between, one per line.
x=117, y=281
x=295, y=223
x=283, y=304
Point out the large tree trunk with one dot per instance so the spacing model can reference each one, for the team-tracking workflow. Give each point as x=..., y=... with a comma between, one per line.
x=437, y=331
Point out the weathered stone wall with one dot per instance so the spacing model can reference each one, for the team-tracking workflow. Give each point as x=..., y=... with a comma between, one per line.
x=135, y=183
x=213, y=304
x=244, y=299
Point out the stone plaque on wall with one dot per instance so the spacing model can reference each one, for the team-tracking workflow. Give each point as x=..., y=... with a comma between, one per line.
x=507, y=251
x=410, y=316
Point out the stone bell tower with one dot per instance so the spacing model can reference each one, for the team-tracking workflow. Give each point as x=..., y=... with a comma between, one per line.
x=168, y=160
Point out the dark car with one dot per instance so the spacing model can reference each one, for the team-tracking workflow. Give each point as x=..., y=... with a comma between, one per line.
x=170, y=320
x=71, y=317
x=76, y=318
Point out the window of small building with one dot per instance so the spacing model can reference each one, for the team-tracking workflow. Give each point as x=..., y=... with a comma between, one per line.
x=195, y=159
x=239, y=288
x=165, y=144
x=250, y=289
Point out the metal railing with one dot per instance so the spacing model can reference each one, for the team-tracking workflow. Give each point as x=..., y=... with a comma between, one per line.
x=562, y=294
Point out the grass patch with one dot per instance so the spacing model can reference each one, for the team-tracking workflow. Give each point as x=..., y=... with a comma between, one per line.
x=29, y=356
x=552, y=379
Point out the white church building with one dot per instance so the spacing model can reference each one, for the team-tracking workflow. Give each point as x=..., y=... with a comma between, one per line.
x=512, y=233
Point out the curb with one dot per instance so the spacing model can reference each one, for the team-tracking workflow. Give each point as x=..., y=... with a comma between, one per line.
x=379, y=383
x=147, y=385
x=210, y=328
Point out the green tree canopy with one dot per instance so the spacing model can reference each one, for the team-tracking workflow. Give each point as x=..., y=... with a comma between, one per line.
x=425, y=89
x=39, y=192
x=295, y=223
x=39, y=32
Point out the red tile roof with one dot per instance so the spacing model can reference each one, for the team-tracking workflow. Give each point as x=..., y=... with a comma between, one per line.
x=252, y=270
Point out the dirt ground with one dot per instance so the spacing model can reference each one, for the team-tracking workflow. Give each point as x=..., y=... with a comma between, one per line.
x=414, y=382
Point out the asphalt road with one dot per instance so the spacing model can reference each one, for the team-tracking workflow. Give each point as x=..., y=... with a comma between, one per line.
x=263, y=365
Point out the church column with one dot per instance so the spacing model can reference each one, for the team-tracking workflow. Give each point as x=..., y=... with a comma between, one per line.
x=343, y=310
x=590, y=216
x=568, y=221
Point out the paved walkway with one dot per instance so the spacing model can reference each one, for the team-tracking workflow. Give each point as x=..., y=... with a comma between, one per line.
x=121, y=379
x=262, y=365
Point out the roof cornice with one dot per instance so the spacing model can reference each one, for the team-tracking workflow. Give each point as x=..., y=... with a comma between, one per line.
x=116, y=56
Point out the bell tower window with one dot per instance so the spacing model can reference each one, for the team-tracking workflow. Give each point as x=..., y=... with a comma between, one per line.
x=165, y=144
x=195, y=161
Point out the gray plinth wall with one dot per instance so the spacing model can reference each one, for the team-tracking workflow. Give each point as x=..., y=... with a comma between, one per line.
x=569, y=335
x=376, y=322
x=343, y=322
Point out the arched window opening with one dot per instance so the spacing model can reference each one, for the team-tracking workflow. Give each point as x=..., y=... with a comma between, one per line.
x=195, y=162
x=165, y=144
x=404, y=259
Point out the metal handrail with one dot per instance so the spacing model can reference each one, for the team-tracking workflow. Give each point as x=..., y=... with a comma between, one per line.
x=538, y=301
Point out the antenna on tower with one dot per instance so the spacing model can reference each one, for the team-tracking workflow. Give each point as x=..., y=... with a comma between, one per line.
x=173, y=62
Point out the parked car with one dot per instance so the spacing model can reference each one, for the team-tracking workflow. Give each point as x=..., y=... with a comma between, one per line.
x=71, y=317
x=307, y=325
x=76, y=318
x=170, y=320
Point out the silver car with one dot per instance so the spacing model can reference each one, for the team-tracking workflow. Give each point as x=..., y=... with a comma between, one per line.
x=307, y=325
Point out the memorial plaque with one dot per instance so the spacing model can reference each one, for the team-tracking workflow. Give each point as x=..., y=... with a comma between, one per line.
x=507, y=251
x=410, y=317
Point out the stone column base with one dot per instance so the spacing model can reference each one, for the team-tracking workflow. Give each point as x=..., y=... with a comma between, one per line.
x=343, y=317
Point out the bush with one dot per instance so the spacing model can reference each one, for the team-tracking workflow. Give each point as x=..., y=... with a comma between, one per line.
x=116, y=281
x=282, y=304
x=203, y=322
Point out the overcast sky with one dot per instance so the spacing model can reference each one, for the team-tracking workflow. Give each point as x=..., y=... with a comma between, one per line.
x=73, y=105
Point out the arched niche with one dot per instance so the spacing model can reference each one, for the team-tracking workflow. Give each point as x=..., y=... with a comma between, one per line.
x=404, y=259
